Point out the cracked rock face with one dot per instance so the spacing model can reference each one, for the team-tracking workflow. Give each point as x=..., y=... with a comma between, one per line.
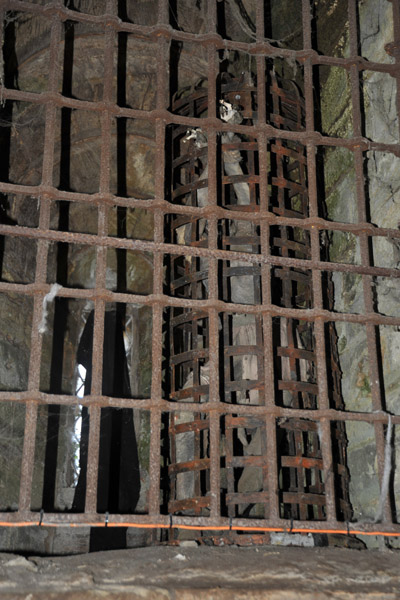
x=382, y=185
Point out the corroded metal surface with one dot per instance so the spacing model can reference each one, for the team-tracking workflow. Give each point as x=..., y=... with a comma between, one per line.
x=278, y=247
x=245, y=462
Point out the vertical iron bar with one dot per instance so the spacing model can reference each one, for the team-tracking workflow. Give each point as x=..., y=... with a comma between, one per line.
x=213, y=270
x=101, y=266
x=269, y=393
x=162, y=102
x=28, y=452
x=163, y=12
x=319, y=329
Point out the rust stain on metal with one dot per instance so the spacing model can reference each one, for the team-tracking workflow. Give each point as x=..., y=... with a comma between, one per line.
x=280, y=417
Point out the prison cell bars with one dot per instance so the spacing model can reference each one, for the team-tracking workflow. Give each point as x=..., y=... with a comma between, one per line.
x=161, y=35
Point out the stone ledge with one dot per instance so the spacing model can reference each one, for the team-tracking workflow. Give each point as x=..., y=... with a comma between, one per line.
x=186, y=573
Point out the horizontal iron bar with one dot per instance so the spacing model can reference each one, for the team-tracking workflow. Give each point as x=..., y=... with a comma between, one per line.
x=309, y=315
x=203, y=407
x=155, y=205
x=183, y=250
x=152, y=33
x=207, y=123
x=200, y=523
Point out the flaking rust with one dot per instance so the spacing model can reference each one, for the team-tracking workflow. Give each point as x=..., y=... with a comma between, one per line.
x=243, y=459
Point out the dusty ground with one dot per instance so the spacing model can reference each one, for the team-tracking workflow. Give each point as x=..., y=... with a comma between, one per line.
x=185, y=573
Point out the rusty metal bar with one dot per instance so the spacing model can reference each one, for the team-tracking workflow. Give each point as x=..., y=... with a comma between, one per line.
x=309, y=316
x=148, y=404
x=260, y=47
x=269, y=393
x=200, y=523
x=28, y=453
x=319, y=265
x=162, y=101
x=313, y=136
x=277, y=257
x=213, y=320
x=101, y=264
x=324, y=432
x=295, y=498
x=155, y=205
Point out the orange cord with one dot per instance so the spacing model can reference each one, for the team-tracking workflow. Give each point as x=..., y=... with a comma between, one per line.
x=198, y=527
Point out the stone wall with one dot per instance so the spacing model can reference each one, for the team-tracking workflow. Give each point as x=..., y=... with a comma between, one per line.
x=382, y=171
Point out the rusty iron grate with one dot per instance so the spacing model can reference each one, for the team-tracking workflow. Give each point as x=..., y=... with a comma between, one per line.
x=293, y=405
x=245, y=457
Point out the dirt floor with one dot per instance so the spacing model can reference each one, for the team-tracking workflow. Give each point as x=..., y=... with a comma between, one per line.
x=186, y=573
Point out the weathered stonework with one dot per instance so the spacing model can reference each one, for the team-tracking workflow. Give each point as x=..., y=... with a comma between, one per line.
x=383, y=194
x=205, y=573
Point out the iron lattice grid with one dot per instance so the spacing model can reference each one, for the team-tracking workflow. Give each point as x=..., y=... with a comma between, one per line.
x=160, y=36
